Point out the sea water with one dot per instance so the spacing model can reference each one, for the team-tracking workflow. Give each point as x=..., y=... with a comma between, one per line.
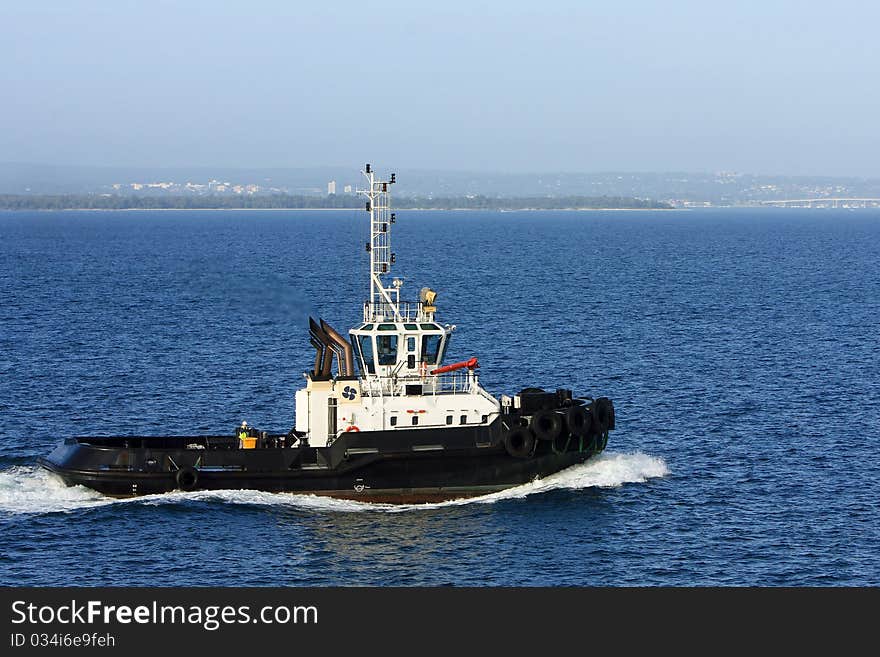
x=739, y=346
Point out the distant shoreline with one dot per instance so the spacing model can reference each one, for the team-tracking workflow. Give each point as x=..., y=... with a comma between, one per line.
x=346, y=202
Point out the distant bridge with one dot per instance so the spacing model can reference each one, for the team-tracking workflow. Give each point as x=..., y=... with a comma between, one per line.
x=828, y=202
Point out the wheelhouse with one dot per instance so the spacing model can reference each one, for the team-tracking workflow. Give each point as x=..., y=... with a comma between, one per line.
x=399, y=348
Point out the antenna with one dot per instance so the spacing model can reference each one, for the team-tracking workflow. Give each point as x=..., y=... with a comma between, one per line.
x=384, y=302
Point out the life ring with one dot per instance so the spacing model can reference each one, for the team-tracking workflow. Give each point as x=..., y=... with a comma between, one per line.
x=546, y=425
x=519, y=442
x=580, y=422
x=352, y=428
x=187, y=478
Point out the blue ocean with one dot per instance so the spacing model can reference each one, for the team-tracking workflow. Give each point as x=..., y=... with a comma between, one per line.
x=740, y=348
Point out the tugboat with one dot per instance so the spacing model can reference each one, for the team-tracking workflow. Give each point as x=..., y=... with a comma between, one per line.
x=392, y=424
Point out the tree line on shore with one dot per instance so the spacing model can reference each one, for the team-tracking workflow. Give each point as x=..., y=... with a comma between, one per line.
x=331, y=201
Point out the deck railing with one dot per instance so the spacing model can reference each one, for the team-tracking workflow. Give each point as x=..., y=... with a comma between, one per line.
x=461, y=381
x=406, y=311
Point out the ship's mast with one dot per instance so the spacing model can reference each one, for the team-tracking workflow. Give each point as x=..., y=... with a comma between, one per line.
x=384, y=302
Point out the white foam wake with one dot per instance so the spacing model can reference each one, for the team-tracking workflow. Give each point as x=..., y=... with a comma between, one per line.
x=28, y=489
x=33, y=490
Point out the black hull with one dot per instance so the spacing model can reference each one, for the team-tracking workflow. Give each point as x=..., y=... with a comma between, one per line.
x=401, y=466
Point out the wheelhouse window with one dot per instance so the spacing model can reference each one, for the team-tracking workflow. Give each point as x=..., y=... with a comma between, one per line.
x=386, y=347
x=366, y=349
x=431, y=348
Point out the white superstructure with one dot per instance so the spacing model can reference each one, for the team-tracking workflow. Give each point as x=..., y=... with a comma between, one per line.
x=387, y=376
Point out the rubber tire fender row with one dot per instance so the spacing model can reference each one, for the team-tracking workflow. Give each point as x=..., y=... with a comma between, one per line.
x=187, y=478
x=519, y=442
x=547, y=425
x=579, y=421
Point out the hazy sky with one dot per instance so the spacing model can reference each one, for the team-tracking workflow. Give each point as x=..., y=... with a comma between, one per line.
x=761, y=87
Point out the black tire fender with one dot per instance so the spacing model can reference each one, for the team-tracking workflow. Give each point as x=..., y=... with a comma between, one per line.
x=547, y=425
x=519, y=442
x=187, y=478
x=603, y=414
x=579, y=421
